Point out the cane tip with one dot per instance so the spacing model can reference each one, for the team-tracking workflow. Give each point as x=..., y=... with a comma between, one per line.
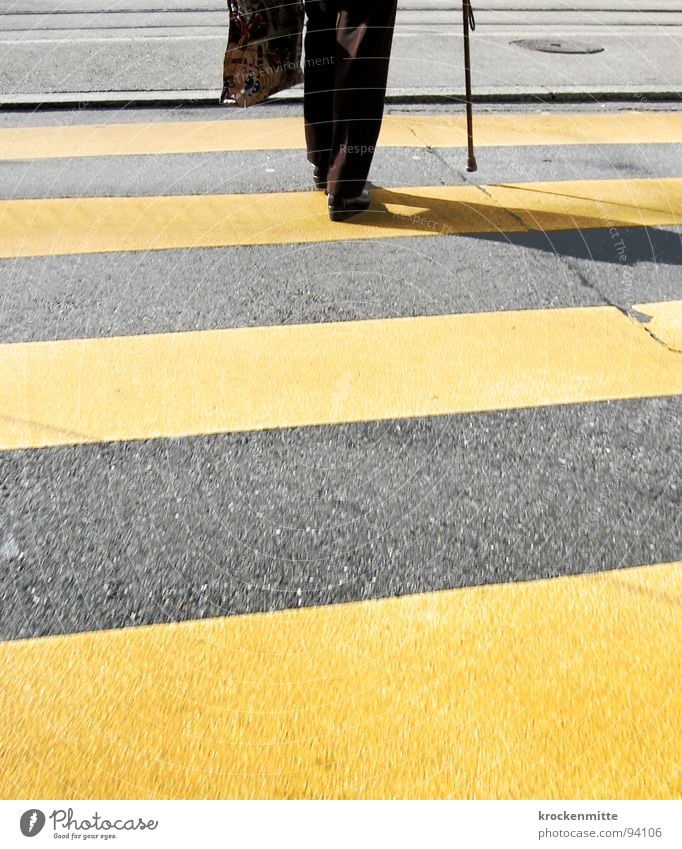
x=471, y=164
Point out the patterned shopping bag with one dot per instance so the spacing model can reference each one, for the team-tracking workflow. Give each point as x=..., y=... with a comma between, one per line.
x=264, y=48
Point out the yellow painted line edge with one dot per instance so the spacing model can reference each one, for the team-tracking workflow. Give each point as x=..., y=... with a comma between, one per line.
x=562, y=689
x=665, y=322
x=53, y=227
x=412, y=131
x=249, y=379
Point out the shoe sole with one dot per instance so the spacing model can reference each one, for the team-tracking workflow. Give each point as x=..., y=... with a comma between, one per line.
x=344, y=214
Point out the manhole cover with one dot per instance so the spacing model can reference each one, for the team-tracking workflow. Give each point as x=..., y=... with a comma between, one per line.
x=548, y=45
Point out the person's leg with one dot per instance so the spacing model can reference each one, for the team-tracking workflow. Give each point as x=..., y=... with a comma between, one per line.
x=364, y=36
x=319, y=79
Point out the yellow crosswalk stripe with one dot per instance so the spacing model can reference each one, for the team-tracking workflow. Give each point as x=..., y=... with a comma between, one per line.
x=93, y=225
x=180, y=384
x=559, y=689
x=287, y=133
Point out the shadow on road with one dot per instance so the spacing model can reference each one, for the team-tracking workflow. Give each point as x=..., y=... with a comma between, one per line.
x=641, y=244
x=597, y=238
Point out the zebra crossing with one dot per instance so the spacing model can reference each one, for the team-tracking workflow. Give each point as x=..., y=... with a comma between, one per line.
x=377, y=530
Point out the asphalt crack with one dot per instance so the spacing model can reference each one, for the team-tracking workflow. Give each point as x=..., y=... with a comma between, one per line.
x=635, y=316
x=658, y=339
x=448, y=167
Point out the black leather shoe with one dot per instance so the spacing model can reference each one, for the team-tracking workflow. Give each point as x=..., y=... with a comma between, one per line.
x=341, y=209
x=320, y=178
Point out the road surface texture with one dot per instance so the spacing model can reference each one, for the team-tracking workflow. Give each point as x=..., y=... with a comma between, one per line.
x=297, y=509
x=80, y=50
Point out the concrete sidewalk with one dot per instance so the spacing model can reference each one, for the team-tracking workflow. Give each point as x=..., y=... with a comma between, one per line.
x=78, y=51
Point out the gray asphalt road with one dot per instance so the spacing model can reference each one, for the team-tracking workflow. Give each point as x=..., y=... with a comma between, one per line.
x=120, y=535
x=116, y=535
x=139, y=48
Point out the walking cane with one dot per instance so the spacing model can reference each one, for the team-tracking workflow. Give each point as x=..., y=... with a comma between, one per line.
x=469, y=23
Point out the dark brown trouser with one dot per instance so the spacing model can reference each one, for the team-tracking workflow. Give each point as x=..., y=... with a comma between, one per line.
x=347, y=50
